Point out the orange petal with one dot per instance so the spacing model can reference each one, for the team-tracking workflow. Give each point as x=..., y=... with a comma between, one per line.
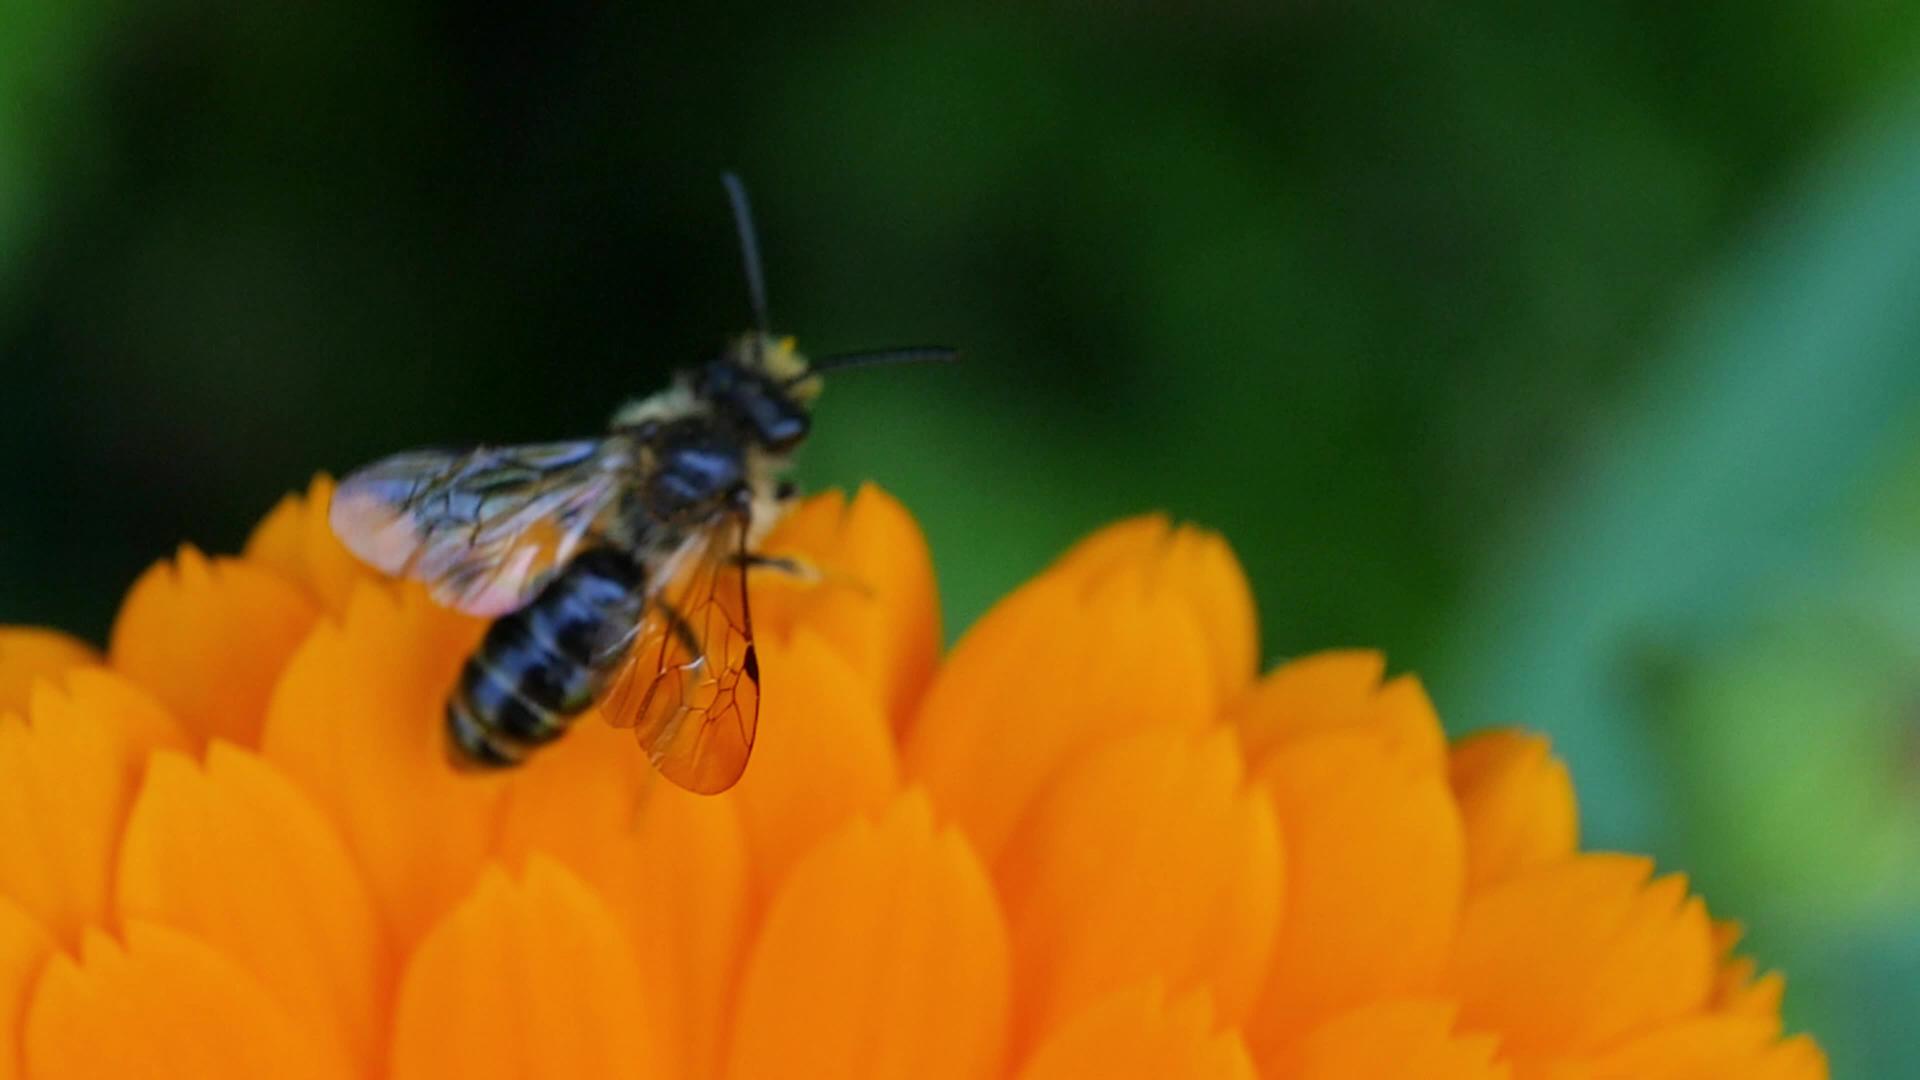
x=883, y=955
x=1375, y=872
x=1737, y=985
x=1136, y=1032
x=67, y=775
x=1312, y=695
x=1709, y=1046
x=1404, y=1039
x=823, y=754
x=671, y=865
x=29, y=655
x=524, y=979
x=236, y=856
x=1150, y=859
x=356, y=722
x=576, y=801
x=1200, y=564
x=1798, y=1058
x=24, y=949
x=165, y=1006
x=1516, y=800
x=875, y=602
x=687, y=906
x=210, y=638
x=295, y=542
x=1195, y=567
x=1337, y=691
x=1126, y=542
x=1053, y=671
x=1738, y=989
x=1568, y=958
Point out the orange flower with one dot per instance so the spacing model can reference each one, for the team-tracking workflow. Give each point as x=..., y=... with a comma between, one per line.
x=1088, y=842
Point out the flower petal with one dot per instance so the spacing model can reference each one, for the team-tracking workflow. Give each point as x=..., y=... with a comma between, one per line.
x=1151, y=859
x=671, y=865
x=356, y=722
x=1566, y=959
x=1516, y=801
x=1337, y=691
x=1054, y=670
x=29, y=655
x=687, y=906
x=1401, y=1039
x=576, y=801
x=876, y=602
x=296, y=542
x=1740, y=989
x=824, y=753
x=164, y=1006
x=1738, y=986
x=1201, y=565
x=24, y=949
x=1312, y=695
x=236, y=856
x=1730, y=1046
x=1798, y=1058
x=524, y=979
x=883, y=955
x=209, y=638
x=67, y=775
x=1194, y=566
x=1136, y=1032
x=1375, y=872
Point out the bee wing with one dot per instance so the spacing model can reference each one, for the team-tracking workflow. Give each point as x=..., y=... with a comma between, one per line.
x=483, y=528
x=690, y=689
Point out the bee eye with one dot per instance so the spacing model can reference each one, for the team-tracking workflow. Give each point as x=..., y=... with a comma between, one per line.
x=784, y=432
x=769, y=416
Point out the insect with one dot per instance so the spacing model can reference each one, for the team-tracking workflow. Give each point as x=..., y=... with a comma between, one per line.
x=615, y=568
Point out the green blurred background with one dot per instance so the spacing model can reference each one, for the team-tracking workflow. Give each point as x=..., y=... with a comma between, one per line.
x=1572, y=358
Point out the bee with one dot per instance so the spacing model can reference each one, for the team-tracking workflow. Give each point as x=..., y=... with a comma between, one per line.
x=614, y=568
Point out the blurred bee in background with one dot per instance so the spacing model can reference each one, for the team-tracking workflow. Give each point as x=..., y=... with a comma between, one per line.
x=615, y=568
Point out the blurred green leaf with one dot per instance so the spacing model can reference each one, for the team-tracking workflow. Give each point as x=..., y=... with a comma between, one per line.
x=1712, y=501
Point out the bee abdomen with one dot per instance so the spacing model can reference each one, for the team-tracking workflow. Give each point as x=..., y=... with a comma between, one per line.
x=544, y=664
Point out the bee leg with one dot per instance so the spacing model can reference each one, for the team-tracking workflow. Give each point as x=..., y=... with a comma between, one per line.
x=753, y=560
x=681, y=629
x=803, y=572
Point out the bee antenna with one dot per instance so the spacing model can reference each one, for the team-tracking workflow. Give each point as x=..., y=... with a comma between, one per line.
x=749, y=247
x=904, y=354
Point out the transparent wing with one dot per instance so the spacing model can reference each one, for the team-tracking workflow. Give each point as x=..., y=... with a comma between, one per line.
x=691, y=685
x=482, y=528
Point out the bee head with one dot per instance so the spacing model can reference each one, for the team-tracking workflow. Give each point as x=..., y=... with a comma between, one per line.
x=760, y=383
x=764, y=387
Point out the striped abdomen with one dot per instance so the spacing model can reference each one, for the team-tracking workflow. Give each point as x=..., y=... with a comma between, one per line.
x=544, y=664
